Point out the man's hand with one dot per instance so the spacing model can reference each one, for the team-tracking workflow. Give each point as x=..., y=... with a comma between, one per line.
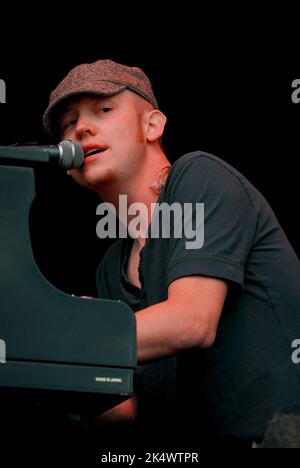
x=123, y=413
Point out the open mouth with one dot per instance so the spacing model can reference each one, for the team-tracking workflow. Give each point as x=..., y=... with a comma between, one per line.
x=93, y=152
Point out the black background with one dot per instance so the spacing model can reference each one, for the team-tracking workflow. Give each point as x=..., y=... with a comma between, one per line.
x=223, y=80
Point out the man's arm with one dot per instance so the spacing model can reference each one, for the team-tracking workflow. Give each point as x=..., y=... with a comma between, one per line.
x=187, y=319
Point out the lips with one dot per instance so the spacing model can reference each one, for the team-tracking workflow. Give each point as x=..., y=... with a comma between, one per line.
x=92, y=150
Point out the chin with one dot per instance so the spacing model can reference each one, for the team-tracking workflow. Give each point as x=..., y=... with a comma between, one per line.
x=95, y=177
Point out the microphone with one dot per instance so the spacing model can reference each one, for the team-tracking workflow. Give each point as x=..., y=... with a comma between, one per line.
x=67, y=154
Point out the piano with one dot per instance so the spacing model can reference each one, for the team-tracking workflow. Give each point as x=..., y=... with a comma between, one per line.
x=68, y=352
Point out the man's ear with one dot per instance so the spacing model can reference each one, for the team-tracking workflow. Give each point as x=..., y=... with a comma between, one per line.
x=156, y=125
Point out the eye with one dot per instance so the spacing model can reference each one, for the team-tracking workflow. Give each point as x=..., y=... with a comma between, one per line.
x=69, y=123
x=105, y=109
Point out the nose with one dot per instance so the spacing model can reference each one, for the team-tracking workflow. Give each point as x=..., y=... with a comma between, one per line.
x=84, y=127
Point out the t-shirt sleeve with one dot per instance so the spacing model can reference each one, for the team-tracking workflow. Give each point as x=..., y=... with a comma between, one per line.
x=218, y=222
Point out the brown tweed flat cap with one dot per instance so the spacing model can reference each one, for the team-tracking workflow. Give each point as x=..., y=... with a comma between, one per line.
x=103, y=77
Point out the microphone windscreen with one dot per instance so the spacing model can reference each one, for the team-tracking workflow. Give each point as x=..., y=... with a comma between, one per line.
x=72, y=154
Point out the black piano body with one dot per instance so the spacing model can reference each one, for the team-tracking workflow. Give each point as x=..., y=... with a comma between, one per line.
x=56, y=349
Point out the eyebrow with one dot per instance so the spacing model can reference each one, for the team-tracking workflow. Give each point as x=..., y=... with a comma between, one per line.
x=63, y=111
x=70, y=107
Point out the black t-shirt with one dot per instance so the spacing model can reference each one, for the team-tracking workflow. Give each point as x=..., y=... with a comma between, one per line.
x=234, y=387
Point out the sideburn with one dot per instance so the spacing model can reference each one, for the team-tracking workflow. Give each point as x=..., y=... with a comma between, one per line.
x=140, y=134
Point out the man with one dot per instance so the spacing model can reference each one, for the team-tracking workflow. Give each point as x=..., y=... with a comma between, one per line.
x=216, y=319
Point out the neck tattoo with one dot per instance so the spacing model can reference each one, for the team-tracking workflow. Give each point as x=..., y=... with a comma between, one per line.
x=157, y=186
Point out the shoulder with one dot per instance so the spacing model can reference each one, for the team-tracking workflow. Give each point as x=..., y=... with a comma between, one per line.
x=210, y=175
x=201, y=160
